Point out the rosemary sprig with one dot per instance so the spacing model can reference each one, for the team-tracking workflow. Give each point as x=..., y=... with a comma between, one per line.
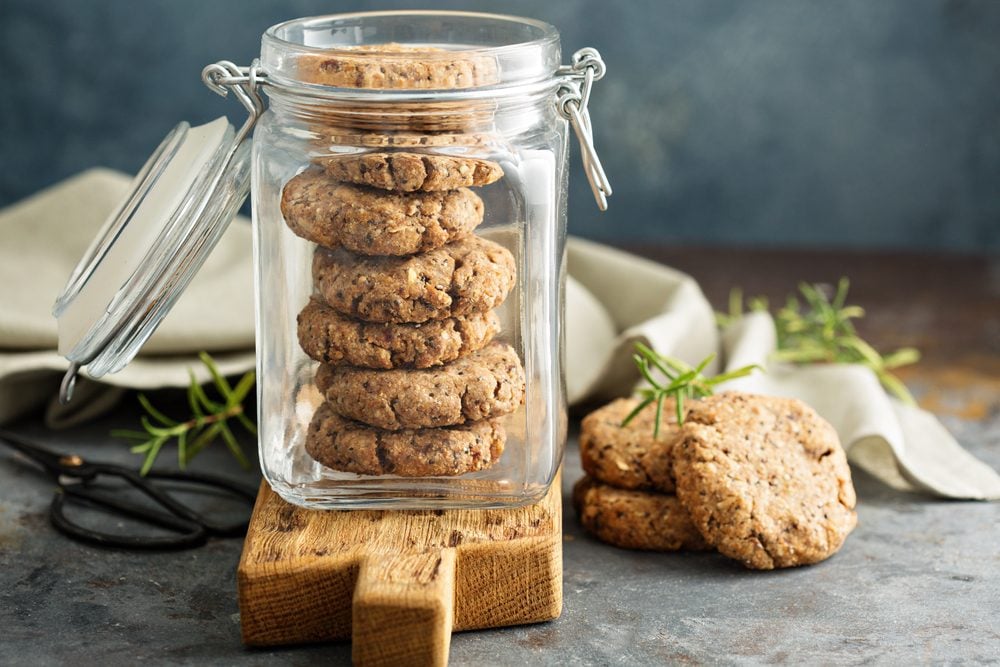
x=210, y=420
x=735, y=311
x=821, y=330
x=682, y=381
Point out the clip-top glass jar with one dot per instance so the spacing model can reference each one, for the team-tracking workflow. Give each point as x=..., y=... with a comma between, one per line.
x=408, y=190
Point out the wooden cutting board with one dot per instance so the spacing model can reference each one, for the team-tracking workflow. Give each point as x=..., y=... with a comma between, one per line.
x=397, y=582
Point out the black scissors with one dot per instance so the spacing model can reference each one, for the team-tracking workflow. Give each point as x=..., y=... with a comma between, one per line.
x=75, y=478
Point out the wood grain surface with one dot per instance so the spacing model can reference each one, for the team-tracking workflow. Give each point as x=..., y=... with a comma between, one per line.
x=406, y=579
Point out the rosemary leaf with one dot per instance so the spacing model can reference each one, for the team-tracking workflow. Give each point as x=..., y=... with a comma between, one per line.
x=247, y=423
x=204, y=439
x=656, y=360
x=154, y=450
x=233, y=444
x=643, y=365
x=639, y=408
x=182, y=457
x=208, y=422
x=199, y=393
x=154, y=413
x=819, y=329
x=220, y=382
x=659, y=415
x=684, y=382
x=194, y=401
x=243, y=387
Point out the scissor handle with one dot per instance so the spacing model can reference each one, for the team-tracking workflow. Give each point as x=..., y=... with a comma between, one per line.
x=190, y=527
x=187, y=533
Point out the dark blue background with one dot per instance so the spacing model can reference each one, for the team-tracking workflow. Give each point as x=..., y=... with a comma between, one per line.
x=773, y=122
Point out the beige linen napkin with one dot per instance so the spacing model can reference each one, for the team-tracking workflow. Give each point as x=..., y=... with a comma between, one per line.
x=41, y=240
x=612, y=300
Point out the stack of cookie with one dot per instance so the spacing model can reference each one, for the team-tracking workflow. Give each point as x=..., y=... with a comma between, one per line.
x=402, y=317
x=762, y=480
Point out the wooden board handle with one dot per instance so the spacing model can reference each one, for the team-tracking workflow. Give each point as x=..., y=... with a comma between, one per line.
x=404, y=608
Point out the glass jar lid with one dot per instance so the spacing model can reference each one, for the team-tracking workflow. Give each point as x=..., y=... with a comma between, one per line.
x=149, y=249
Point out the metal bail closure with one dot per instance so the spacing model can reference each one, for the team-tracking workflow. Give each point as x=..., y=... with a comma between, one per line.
x=572, y=100
x=151, y=246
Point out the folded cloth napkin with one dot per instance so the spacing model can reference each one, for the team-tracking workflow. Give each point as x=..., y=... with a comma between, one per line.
x=42, y=238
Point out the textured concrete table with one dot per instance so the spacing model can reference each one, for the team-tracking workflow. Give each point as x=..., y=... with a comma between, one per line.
x=918, y=581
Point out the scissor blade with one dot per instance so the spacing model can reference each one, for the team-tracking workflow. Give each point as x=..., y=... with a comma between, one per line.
x=43, y=456
x=144, y=514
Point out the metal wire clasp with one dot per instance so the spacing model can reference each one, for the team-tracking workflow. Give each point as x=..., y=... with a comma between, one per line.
x=572, y=100
x=224, y=76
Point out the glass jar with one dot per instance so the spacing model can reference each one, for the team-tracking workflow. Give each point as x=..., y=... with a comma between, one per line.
x=409, y=208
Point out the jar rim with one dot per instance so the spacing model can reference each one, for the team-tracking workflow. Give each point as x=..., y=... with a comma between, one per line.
x=524, y=50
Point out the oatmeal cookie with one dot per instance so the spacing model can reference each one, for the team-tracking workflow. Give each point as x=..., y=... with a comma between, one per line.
x=332, y=135
x=345, y=445
x=365, y=221
x=329, y=337
x=484, y=384
x=411, y=172
x=764, y=479
x=468, y=276
x=397, y=66
x=635, y=519
x=629, y=457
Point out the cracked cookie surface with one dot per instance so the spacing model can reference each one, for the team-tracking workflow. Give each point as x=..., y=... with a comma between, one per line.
x=629, y=457
x=345, y=445
x=635, y=519
x=764, y=479
x=411, y=172
x=332, y=338
x=468, y=276
x=485, y=384
x=365, y=221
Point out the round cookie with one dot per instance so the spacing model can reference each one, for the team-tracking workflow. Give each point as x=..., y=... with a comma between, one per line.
x=348, y=446
x=329, y=337
x=469, y=276
x=485, y=384
x=332, y=214
x=396, y=66
x=382, y=115
x=629, y=457
x=411, y=172
x=764, y=479
x=635, y=519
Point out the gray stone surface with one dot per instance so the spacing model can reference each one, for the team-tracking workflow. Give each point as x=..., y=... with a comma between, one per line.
x=785, y=122
x=917, y=582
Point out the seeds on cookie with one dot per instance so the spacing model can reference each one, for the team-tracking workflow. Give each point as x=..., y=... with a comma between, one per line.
x=469, y=276
x=629, y=457
x=347, y=446
x=332, y=214
x=765, y=480
x=484, y=384
x=332, y=338
x=635, y=519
